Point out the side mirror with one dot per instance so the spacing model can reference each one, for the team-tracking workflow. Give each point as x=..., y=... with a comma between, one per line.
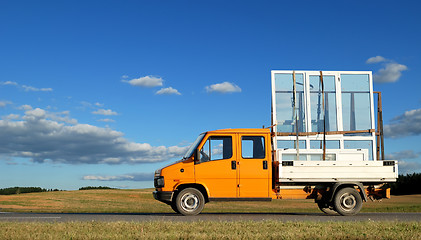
x=197, y=155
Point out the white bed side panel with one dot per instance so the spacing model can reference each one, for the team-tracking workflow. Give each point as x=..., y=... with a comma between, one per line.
x=334, y=171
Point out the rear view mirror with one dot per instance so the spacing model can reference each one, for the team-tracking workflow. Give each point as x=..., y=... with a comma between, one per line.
x=197, y=155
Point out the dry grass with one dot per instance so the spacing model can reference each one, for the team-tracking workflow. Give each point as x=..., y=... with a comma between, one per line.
x=211, y=230
x=141, y=201
x=93, y=201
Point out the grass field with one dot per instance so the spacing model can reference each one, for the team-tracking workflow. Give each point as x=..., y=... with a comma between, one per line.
x=141, y=201
x=211, y=230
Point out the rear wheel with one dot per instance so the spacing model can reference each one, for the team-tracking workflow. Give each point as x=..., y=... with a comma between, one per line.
x=347, y=201
x=326, y=208
x=190, y=202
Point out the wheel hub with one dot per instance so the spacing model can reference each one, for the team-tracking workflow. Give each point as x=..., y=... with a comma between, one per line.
x=348, y=201
x=189, y=202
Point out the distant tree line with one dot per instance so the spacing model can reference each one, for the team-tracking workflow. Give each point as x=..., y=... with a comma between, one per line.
x=406, y=184
x=91, y=187
x=19, y=190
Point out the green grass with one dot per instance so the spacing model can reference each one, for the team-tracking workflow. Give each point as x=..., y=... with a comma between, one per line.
x=211, y=230
x=141, y=201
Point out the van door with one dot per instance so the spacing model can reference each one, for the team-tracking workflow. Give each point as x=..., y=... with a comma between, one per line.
x=254, y=166
x=217, y=169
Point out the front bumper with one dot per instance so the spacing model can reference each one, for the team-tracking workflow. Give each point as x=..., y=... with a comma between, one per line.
x=165, y=197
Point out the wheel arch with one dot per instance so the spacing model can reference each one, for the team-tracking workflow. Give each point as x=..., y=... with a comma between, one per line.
x=197, y=186
x=340, y=185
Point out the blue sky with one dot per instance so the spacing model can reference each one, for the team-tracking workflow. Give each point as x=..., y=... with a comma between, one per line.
x=105, y=92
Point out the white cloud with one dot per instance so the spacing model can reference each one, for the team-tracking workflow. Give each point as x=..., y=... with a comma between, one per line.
x=105, y=112
x=225, y=87
x=407, y=124
x=405, y=154
x=9, y=83
x=25, y=107
x=391, y=71
x=376, y=59
x=147, y=81
x=106, y=120
x=4, y=103
x=40, y=138
x=26, y=87
x=34, y=89
x=11, y=117
x=404, y=164
x=407, y=167
x=125, y=177
x=35, y=113
x=62, y=117
x=168, y=91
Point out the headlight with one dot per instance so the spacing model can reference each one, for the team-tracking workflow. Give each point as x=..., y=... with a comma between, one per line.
x=159, y=182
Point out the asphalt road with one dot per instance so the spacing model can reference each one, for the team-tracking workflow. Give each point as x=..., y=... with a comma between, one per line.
x=139, y=217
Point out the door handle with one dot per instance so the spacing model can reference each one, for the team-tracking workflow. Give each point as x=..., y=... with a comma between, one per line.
x=265, y=164
x=233, y=165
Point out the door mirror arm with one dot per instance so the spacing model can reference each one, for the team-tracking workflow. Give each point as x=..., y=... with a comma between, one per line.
x=197, y=155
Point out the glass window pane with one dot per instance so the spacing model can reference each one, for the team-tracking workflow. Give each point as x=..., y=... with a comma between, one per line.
x=328, y=82
x=330, y=144
x=356, y=112
x=216, y=148
x=288, y=117
x=291, y=157
x=204, y=152
x=253, y=147
x=360, y=144
x=355, y=82
x=285, y=82
x=290, y=144
x=318, y=112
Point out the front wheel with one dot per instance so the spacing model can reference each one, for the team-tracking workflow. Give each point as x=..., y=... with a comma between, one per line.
x=347, y=201
x=190, y=202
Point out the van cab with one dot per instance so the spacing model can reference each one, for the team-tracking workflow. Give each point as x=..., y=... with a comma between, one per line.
x=228, y=164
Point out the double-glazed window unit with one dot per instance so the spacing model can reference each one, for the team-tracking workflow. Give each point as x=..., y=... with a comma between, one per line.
x=325, y=115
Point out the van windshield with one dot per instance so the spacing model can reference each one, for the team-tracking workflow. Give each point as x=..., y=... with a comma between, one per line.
x=194, y=146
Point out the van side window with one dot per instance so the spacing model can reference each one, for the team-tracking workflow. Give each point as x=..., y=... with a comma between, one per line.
x=253, y=147
x=216, y=148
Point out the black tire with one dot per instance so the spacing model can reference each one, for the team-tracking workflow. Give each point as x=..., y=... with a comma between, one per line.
x=347, y=201
x=326, y=208
x=190, y=202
